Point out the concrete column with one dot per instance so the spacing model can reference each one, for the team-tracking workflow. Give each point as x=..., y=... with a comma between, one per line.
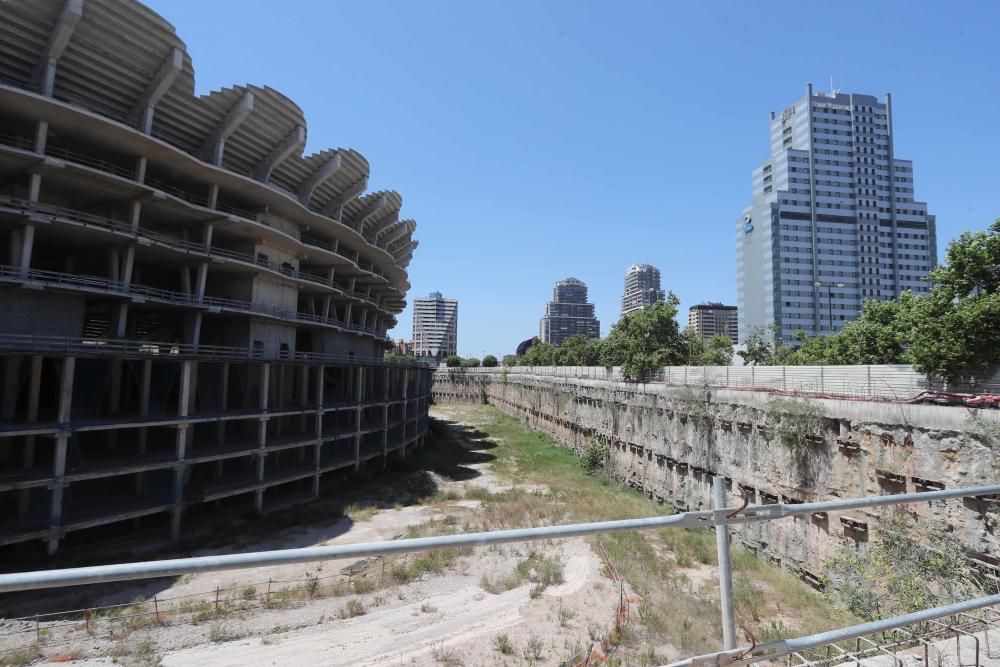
x=140, y=169
x=128, y=263
x=59, y=460
x=27, y=243
x=207, y=238
x=147, y=376
x=329, y=276
x=385, y=433
x=192, y=328
x=347, y=313
x=406, y=407
x=359, y=385
x=115, y=399
x=202, y=277
x=326, y=308
x=34, y=187
x=124, y=275
x=213, y=195
x=186, y=279
x=28, y=455
x=265, y=390
x=303, y=397
x=180, y=447
x=320, y=375
x=220, y=426
x=41, y=136
x=133, y=217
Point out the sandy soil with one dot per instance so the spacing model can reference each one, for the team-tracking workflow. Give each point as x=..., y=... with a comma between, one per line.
x=440, y=619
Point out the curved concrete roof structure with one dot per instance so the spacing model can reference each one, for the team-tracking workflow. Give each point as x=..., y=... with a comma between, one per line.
x=121, y=61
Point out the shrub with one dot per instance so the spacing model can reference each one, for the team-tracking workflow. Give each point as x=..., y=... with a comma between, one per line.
x=595, y=456
x=533, y=649
x=503, y=644
x=354, y=607
x=795, y=422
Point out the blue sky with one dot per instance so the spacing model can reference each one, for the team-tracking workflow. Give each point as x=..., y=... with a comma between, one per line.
x=532, y=141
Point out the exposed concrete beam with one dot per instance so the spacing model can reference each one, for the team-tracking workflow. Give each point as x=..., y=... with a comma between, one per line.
x=386, y=223
x=397, y=232
x=145, y=105
x=373, y=207
x=406, y=249
x=62, y=31
x=335, y=207
x=315, y=179
x=215, y=143
x=292, y=143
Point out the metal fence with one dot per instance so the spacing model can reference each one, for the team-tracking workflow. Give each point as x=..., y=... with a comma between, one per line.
x=720, y=517
x=102, y=347
x=888, y=382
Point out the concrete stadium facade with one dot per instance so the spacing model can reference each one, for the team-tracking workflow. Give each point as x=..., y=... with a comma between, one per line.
x=192, y=312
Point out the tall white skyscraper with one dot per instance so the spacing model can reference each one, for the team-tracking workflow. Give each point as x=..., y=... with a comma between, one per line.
x=435, y=326
x=642, y=288
x=833, y=221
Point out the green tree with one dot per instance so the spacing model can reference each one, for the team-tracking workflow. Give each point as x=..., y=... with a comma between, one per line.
x=489, y=361
x=539, y=354
x=972, y=265
x=954, y=340
x=454, y=361
x=645, y=340
x=878, y=336
x=759, y=347
x=579, y=351
x=718, y=351
x=510, y=360
x=470, y=362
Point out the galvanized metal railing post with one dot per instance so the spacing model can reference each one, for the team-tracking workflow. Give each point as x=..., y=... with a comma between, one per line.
x=725, y=565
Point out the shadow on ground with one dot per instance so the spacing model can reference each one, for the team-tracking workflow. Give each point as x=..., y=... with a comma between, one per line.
x=450, y=449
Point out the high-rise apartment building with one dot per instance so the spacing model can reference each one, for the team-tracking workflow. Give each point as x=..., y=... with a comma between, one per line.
x=568, y=314
x=713, y=319
x=833, y=221
x=435, y=326
x=642, y=288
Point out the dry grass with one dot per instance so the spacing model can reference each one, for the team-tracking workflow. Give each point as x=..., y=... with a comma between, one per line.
x=354, y=607
x=653, y=563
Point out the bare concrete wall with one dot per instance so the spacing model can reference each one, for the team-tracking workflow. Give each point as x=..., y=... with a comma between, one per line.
x=670, y=441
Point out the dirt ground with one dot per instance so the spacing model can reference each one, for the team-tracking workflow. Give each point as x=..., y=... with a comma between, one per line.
x=445, y=618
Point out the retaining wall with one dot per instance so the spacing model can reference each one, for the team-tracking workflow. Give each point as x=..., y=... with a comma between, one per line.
x=670, y=441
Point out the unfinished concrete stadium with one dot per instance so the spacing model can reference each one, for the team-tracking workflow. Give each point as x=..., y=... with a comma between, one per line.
x=194, y=314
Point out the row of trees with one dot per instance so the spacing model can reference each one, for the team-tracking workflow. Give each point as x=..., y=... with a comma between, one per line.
x=455, y=361
x=953, y=332
x=639, y=342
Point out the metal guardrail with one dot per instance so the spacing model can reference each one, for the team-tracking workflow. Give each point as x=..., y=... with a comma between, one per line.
x=89, y=219
x=113, y=347
x=24, y=143
x=80, y=281
x=720, y=517
x=89, y=161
